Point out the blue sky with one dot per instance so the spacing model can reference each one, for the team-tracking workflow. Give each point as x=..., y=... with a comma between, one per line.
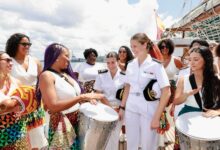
x=173, y=8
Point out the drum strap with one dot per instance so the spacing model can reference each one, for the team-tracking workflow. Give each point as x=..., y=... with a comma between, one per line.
x=194, y=86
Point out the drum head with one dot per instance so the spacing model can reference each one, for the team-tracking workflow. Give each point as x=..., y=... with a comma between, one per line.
x=194, y=125
x=99, y=112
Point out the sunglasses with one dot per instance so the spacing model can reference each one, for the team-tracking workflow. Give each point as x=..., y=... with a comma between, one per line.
x=122, y=52
x=8, y=60
x=162, y=47
x=25, y=44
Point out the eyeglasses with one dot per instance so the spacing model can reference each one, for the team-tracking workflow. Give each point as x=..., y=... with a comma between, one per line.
x=122, y=51
x=8, y=60
x=26, y=44
x=163, y=46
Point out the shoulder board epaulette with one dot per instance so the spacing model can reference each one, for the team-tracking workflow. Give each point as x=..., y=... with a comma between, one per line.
x=184, y=68
x=122, y=73
x=102, y=71
x=156, y=60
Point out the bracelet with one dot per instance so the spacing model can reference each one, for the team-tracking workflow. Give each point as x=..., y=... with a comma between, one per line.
x=121, y=107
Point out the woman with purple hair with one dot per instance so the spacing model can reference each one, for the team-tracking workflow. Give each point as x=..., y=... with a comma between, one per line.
x=61, y=94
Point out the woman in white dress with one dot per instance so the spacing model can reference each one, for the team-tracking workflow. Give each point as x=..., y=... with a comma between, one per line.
x=13, y=129
x=172, y=66
x=26, y=69
x=205, y=94
x=88, y=71
x=61, y=94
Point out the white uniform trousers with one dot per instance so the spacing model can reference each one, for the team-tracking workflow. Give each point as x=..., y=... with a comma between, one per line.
x=139, y=133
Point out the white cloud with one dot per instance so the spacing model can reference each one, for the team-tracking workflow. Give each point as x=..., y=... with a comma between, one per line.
x=168, y=20
x=103, y=25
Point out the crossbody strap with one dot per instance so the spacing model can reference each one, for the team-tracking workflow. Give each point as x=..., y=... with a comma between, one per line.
x=61, y=75
x=194, y=86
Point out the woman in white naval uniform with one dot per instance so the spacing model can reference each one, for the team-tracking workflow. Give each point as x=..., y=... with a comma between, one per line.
x=26, y=69
x=142, y=117
x=108, y=82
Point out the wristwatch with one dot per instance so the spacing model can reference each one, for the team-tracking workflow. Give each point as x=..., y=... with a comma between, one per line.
x=121, y=107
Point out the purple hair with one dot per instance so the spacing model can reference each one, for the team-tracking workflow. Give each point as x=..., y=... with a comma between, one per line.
x=51, y=54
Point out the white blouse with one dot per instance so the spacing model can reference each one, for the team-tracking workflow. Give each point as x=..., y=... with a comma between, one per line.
x=171, y=69
x=28, y=77
x=88, y=72
x=65, y=91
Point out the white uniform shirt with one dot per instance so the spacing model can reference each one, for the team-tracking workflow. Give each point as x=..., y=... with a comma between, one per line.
x=88, y=72
x=139, y=76
x=108, y=85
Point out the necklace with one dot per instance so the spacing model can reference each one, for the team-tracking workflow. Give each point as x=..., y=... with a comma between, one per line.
x=61, y=75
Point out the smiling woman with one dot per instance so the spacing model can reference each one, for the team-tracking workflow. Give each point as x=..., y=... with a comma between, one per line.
x=13, y=134
x=26, y=69
x=60, y=91
x=88, y=71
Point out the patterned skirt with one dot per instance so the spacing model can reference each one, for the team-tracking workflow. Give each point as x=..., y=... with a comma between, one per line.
x=63, y=131
x=35, y=119
x=13, y=133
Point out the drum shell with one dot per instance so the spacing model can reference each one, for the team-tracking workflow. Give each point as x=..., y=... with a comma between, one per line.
x=93, y=134
x=190, y=143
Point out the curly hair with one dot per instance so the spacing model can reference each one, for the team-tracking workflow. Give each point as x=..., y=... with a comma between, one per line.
x=129, y=55
x=13, y=43
x=88, y=51
x=169, y=44
x=211, y=83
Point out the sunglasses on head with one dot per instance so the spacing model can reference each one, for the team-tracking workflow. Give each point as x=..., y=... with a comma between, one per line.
x=25, y=44
x=8, y=60
x=198, y=49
